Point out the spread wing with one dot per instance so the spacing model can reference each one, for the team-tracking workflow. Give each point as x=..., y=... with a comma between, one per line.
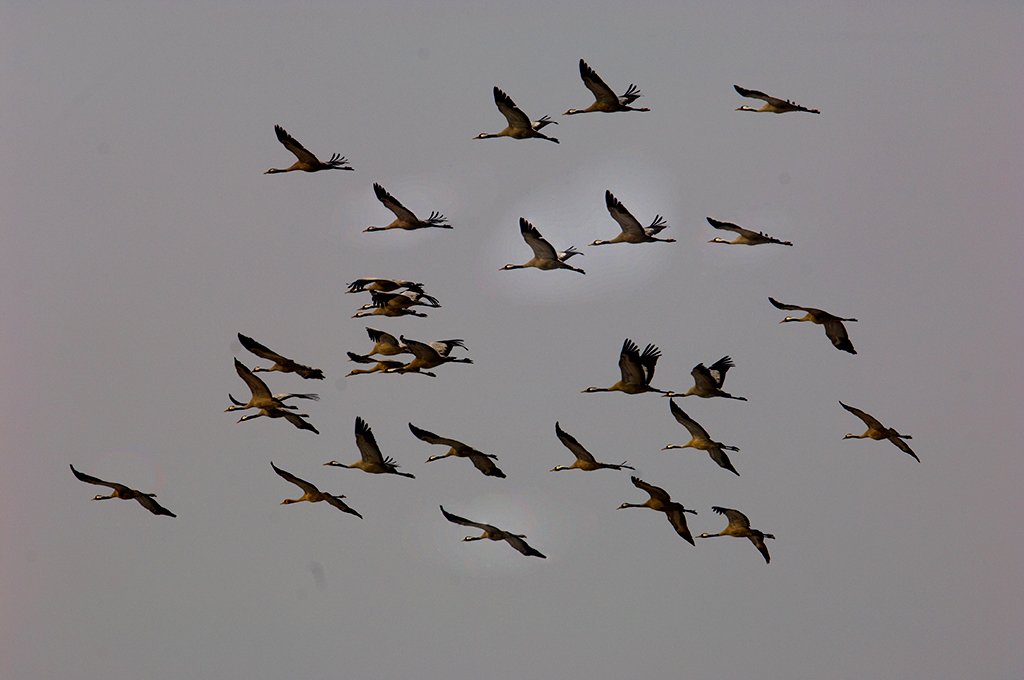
x=522, y=546
x=367, y=444
x=686, y=421
x=627, y=222
x=836, y=332
x=629, y=363
x=870, y=421
x=904, y=447
x=735, y=516
x=755, y=94
x=649, y=360
x=513, y=114
x=420, y=350
x=720, y=457
x=541, y=248
x=729, y=226
x=570, y=443
x=432, y=438
x=656, y=492
x=360, y=358
x=296, y=420
x=149, y=503
x=445, y=347
x=261, y=351
x=702, y=378
x=89, y=479
x=779, y=305
x=720, y=368
x=601, y=91
x=270, y=355
x=485, y=464
x=292, y=145
x=340, y=505
x=465, y=522
x=256, y=386
x=359, y=285
x=677, y=518
x=758, y=540
x=301, y=483
x=658, y=225
x=380, y=336
x=392, y=204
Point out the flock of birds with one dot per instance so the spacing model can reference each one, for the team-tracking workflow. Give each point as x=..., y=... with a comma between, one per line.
x=394, y=297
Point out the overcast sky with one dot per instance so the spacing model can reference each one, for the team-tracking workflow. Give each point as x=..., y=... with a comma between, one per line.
x=140, y=235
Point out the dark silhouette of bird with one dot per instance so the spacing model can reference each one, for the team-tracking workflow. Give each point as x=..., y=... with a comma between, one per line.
x=878, y=431
x=282, y=364
x=306, y=161
x=700, y=439
x=771, y=104
x=744, y=237
x=739, y=526
x=636, y=369
x=584, y=459
x=519, y=124
x=707, y=382
x=834, y=328
x=484, y=462
x=493, y=533
x=606, y=99
x=311, y=493
x=372, y=459
x=660, y=500
x=146, y=500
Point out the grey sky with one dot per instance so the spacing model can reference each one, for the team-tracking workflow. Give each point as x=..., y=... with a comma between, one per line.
x=140, y=236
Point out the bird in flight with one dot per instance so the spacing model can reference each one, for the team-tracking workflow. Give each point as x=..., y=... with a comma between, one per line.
x=606, y=99
x=306, y=161
x=878, y=431
x=771, y=104
x=146, y=500
x=493, y=533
